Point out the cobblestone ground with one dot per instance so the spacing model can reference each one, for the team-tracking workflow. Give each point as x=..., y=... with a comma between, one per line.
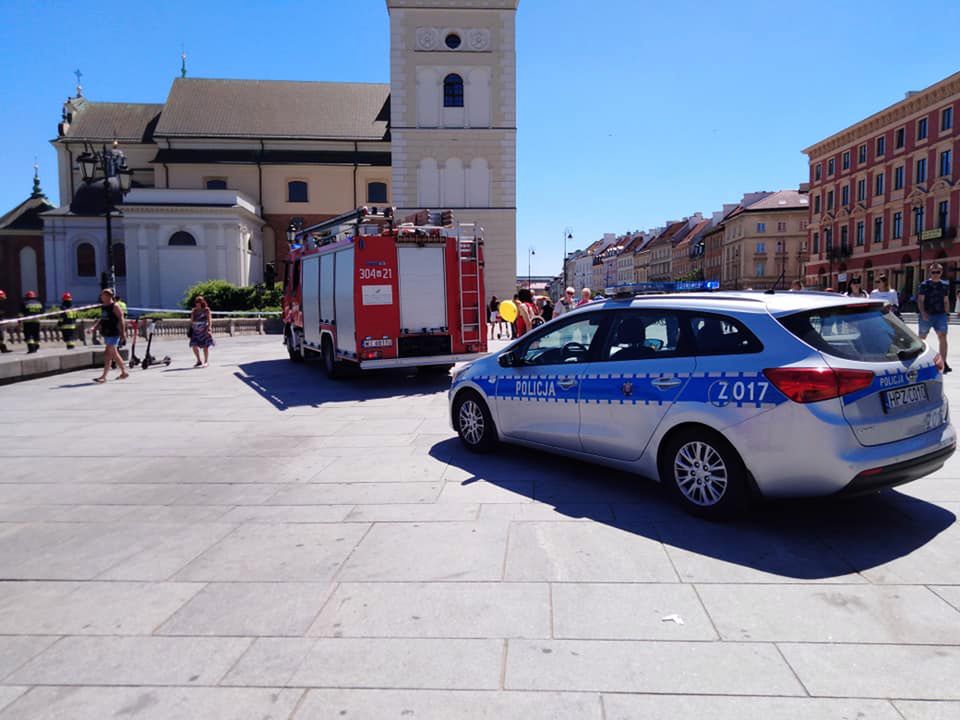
x=251, y=540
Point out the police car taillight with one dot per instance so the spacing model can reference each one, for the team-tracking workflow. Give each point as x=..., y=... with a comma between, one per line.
x=806, y=385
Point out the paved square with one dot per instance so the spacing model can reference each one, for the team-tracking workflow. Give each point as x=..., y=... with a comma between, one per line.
x=252, y=540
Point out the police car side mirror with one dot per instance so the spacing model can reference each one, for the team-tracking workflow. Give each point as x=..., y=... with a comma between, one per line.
x=507, y=359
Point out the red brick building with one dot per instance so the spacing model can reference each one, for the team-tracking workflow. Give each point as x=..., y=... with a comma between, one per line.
x=21, y=248
x=884, y=194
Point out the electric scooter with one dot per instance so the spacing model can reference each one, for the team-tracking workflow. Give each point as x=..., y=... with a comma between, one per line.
x=150, y=361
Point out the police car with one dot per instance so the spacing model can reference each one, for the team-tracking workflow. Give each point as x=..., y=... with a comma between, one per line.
x=722, y=396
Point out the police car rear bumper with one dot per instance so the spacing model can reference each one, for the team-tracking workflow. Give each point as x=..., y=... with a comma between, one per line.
x=419, y=361
x=898, y=473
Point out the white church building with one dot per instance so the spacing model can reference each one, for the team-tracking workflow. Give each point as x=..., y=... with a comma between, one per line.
x=224, y=167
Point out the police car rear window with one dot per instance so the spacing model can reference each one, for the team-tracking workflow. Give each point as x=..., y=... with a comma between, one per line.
x=859, y=332
x=722, y=335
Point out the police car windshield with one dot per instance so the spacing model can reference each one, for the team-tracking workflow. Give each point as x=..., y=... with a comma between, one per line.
x=855, y=332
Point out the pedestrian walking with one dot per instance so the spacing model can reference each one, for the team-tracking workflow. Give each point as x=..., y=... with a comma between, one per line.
x=890, y=298
x=494, y=310
x=112, y=327
x=68, y=321
x=31, y=328
x=546, y=309
x=585, y=297
x=528, y=317
x=566, y=303
x=201, y=330
x=856, y=289
x=932, y=304
x=3, y=314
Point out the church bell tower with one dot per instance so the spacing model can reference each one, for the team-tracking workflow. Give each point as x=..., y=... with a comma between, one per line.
x=453, y=119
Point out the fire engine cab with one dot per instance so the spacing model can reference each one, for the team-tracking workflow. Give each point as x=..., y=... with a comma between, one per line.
x=365, y=292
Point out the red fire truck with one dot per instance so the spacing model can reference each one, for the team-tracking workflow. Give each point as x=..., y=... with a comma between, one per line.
x=365, y=292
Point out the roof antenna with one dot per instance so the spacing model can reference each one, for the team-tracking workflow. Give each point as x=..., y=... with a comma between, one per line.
x=773, y=290
x=79, y=86
x=183, y=61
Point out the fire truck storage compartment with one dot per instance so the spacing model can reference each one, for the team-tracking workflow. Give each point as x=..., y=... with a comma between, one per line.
x=423, y=293
x=311, y=308
x=326, y=289
x=343, y=298
x=423, y=345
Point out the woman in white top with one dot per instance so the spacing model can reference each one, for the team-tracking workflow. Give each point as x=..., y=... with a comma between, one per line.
x=883, y=292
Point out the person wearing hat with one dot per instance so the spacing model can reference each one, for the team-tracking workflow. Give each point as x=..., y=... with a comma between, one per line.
x=31, y=328
x=68, y=321
x=3, y=314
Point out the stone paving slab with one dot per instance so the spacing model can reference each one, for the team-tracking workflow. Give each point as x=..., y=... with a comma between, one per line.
x=927, y=710
x=715, y=707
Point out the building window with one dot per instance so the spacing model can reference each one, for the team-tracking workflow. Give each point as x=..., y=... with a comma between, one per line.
x=845, y=161
x=918, y=220
x=829, y=200
x=453, y=91
x=817, y=169
x=760, y=269
x=946, y=119
x=844, y=236
x=945, y=163
x=120, y=259
x=862, y=154
x=921, y=129
x=216, y=183
x=844, y=196
x=816, y=243
x=761, y=227
x=860, y=234
x=182, y=239
x=878, y=184
x=878, y=229
x=781, y=227
x=761, y=247
x=898, y=178
x=899, y=137
x=86, y=260
x=897, y=225
x=803, y=224
x=377, y=192
x=831, y=166
x=943, y=212
x=816, y=204
x=921, y=171
x=297, y=191
x=861, y=190
x=881, y=145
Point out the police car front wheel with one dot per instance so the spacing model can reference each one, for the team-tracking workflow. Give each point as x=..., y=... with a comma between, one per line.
x=473, y=422
x=705, y=474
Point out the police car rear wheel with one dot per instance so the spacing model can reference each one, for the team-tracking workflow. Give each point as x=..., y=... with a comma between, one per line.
x=474, y=423
x=705, y=473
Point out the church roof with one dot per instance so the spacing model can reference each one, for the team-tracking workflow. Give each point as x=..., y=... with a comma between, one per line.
x=26, y=215
x=106, y=121
x=203, y=107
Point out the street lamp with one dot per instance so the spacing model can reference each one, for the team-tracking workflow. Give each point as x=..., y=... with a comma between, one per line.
x=918, y=229
x=530, y=253
x=117, y=179
x=567, y=235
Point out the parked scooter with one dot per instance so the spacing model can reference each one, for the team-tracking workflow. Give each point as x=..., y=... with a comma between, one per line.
x=149, y=360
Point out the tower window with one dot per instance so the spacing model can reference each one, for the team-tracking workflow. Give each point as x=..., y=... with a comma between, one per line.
x=183, y=239
x=453, y=91
x=453, y=41
x=297, y=191
x=377, y=192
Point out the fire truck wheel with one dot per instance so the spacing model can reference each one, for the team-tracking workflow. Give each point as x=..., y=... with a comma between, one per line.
x=334, y=369
x=293, y=343
x=474, y=423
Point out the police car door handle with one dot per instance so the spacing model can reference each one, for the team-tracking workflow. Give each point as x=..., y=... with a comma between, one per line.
x=566, y=383
x=666, y=383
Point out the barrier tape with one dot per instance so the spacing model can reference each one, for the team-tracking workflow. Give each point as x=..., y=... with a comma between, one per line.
x=41, y=316
x=257, y=313
x=139, y=310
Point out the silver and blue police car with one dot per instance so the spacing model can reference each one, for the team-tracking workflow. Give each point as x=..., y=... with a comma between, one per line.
x=722, y=396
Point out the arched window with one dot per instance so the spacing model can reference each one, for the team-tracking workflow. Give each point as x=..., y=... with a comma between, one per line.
x=216, y=184
x=120, y=259
x=296, y=191
x=183, y=239
x=453, y=91
x=377, y=192
x=86, y=260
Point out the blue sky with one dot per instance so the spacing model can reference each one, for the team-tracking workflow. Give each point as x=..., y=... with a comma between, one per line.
x=629, y=113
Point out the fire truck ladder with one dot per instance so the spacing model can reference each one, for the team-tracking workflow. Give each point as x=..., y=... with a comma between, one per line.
x=468, y=264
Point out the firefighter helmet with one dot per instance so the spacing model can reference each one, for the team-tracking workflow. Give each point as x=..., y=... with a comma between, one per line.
x=3, y=295
x=31, y=295
x=66, y=297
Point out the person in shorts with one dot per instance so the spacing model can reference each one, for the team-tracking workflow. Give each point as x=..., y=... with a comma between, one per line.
x=112, y=328
x=932, y=305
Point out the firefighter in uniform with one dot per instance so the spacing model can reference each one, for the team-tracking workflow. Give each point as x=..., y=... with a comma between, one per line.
x=31, y=328
x=3, y=314
x=68, y=321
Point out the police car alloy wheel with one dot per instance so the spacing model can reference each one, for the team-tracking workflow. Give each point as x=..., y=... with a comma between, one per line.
x=705, y=474
x=474, y=423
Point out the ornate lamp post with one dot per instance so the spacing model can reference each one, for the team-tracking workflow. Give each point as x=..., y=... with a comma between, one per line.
x=918, y=229
x=117, y=179
x=530, y=253
x=567, y=235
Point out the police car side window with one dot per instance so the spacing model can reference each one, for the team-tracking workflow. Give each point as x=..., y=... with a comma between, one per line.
x=645, y=335
x=722, y=335
x=568, y=344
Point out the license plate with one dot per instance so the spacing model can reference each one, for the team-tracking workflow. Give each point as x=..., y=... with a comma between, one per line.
x=904, y=397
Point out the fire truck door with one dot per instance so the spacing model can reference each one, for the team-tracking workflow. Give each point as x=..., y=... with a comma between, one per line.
x=343, y=298
x=423, y=293
x=311, y=300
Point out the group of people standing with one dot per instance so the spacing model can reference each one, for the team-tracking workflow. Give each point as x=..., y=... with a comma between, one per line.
x=532, y=312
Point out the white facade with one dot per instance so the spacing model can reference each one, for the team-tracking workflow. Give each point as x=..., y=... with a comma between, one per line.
x=455, y=146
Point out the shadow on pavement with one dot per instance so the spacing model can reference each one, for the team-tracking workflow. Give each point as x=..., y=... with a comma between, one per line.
x=800, y=539
x=286, y=385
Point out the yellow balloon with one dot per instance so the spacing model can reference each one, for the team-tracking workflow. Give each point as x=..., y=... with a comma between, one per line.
x=508, y=311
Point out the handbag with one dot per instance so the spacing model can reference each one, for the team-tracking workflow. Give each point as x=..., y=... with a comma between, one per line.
x=190, y=332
